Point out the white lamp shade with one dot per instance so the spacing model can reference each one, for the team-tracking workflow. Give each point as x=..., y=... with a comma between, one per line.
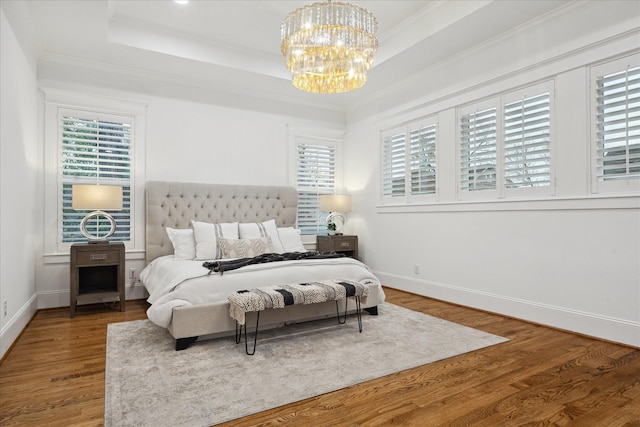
x=96, y=197
x=335, y=203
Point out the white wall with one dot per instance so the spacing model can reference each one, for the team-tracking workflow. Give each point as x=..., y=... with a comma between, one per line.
x=573, y=261
x=195, y=142
x=20, y=194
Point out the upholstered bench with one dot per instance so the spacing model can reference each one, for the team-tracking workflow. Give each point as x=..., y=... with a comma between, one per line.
x=274, y=297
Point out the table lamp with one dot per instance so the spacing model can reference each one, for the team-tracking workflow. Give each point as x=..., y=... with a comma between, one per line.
x=97, y=198
x=336, y=204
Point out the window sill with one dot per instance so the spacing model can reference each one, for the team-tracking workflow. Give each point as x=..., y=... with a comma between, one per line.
x=626, y=201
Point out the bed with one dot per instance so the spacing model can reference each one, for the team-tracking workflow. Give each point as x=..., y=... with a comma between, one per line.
x=188, y=224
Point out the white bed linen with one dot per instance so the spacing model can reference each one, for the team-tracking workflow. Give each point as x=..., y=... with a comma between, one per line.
x=173, y=282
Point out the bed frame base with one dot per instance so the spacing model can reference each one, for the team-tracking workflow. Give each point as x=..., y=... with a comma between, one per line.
x=373, y=311
x=184, y=343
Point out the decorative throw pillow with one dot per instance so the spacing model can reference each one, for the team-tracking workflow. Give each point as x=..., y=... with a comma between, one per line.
x=254, y=230
x=206, y=236
x=290, y=239
x=245, y=248
x=184, y=247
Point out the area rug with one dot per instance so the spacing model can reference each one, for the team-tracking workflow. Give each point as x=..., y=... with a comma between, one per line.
x=148, y=383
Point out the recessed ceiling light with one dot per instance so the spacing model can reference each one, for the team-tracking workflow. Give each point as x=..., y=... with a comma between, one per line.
x=181, y=1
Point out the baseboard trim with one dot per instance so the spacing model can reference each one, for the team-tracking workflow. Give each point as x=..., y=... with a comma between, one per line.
x=60, y=298
x=12, y=330
x=594, y=325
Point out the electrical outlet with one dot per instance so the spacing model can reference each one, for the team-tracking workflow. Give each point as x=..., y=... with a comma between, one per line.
x=416, y=269
x=5, y=309
x=132, y=277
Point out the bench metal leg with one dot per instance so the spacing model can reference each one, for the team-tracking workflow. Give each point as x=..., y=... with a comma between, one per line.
x=342, y=320
x=255, y=338
x=359, y=314
x=238, y=332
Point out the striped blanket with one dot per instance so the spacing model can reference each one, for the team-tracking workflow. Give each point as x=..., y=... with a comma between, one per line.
x=281, y=296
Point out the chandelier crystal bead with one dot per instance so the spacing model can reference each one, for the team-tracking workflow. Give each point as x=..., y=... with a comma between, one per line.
x=329, y=46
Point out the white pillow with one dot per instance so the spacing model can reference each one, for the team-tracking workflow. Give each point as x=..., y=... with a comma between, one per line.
x=290, y=239
x=255, y=230
x=244, y=248
x=184, y=247
x=206, y=236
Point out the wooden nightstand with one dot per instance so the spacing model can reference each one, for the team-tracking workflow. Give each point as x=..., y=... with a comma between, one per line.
x=97, y=271
x=338, y=243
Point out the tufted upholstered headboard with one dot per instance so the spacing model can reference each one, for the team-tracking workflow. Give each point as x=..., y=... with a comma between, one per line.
x=175, y=204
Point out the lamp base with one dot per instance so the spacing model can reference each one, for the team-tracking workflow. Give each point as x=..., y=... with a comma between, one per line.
x=97, y=239
x=338, y=219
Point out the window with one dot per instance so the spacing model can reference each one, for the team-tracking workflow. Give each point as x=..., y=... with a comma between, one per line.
x=409, y=161
x=94, y=149
x=478, y=150
x=393, y=169
x=422, y=160
x=616, y=118
x=527, y=142
x=505, y=145
x=315, y=174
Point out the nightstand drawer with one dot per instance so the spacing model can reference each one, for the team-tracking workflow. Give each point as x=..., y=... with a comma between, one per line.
x=344, y=243
x=97, y=258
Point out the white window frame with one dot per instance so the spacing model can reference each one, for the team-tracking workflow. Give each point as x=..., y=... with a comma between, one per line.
x=498, y=103
x=70, y=178
x=403, y=165
x=326, y=137
x=55, y=101
x=599, y=185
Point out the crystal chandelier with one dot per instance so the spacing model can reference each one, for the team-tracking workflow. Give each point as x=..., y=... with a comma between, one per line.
x=329, y=46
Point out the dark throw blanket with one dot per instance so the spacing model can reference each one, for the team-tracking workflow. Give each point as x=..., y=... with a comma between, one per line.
x=221, y=266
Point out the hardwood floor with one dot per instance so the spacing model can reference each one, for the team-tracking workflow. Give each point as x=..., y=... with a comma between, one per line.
x=54, y=376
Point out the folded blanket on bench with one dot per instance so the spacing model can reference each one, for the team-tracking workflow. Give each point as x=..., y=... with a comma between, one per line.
x=242, y=302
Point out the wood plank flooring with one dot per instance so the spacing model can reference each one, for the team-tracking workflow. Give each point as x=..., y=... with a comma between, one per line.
x=54, y=376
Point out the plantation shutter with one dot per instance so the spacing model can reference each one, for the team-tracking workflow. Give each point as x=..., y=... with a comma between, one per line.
x=316, y=175
x=618, y=125
x=422, y=160
x=94, y=149
x=393, y=164
x=527, y=143
x=478, y=150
